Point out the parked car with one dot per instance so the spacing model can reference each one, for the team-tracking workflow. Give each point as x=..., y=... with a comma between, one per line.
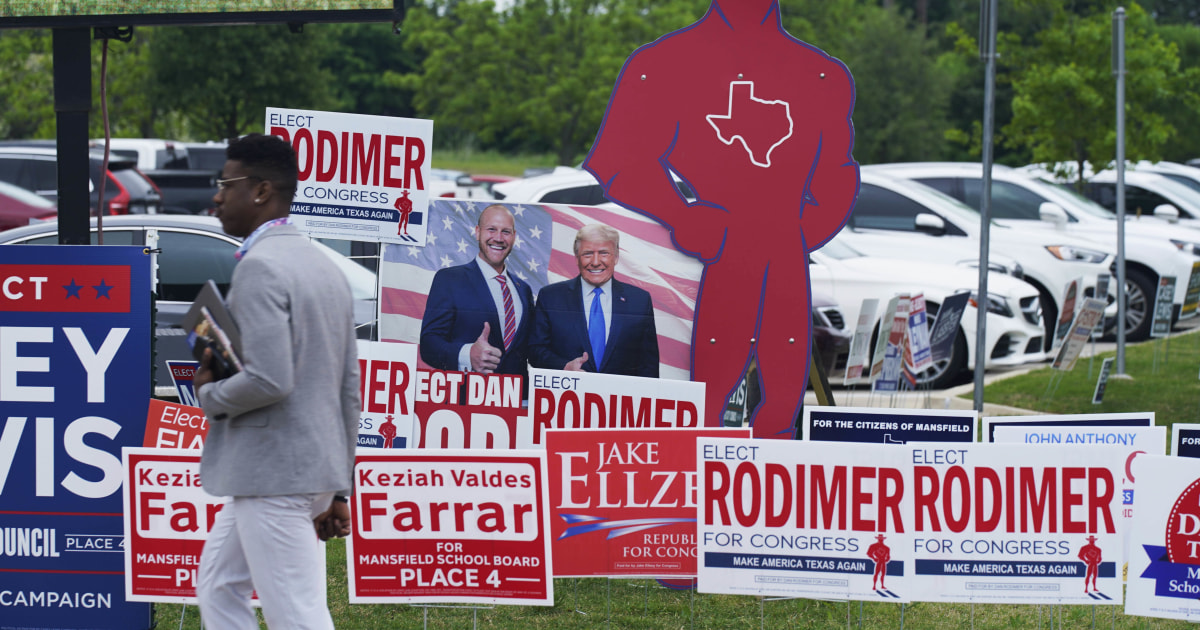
x=564, y=184
x=127, y=190
x=1147, y=193
x=193, y=250
x=896, y=218
x=1014, y=310
x=1152, y=248
x=185, y=185
x=20, y=207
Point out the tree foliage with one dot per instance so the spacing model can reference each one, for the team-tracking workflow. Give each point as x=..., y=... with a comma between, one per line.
x=27, y=100
x=1065, y=95
x=222, y=78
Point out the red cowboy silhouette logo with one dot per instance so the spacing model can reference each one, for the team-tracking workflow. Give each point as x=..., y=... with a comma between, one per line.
x=757, y=124
x=1091, y=556
x=880, y=554
x=405, y=206
x=388, y=431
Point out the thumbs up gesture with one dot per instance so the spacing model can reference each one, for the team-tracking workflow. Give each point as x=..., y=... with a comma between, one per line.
x=485, y=357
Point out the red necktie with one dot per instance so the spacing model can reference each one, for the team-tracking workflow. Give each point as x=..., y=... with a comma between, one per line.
x=510, y=315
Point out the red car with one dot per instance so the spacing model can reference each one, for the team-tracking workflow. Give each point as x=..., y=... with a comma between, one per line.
x=20, y=207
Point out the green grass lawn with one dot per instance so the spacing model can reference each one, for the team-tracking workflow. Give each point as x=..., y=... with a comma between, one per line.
x=644, y=605
x=1171, y=389
x=1164, y=380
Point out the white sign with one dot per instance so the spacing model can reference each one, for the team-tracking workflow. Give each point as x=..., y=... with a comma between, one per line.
x=918, y=336
x=361, y=178
x=1164, y=561
x=856, y=361
x=1086, y=320
x=387, y=372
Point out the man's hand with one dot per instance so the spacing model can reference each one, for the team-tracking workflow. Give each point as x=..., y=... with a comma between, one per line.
x=204, y=374
x=334, y=522
x=577, y=364
x=485, y=357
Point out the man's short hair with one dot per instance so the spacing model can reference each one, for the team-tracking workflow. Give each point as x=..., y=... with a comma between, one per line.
x=597, y=232
x=268, y=157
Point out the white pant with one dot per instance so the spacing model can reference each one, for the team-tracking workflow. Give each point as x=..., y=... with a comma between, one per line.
x=268, y=545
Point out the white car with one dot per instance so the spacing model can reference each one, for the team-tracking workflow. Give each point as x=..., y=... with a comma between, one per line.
x=1014, y=318
x=1153, y=249
x=897, y=218
x=151, y=153
x=573, y=186
x=1149, y=192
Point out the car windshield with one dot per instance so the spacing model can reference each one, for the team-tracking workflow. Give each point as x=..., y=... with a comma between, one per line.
x=1182, y=179
x=1066, y=196
x=362, y=280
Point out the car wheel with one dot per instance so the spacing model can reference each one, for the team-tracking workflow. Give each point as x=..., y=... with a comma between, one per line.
x=946, y=372
x=1139, y=304
x=1049, y=318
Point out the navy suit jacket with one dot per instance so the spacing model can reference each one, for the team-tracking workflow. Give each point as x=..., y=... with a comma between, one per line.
x=560, y=330
x=458, y=305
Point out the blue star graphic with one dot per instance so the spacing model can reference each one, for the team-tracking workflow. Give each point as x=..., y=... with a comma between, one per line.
x=72, y=289
x=102, y=290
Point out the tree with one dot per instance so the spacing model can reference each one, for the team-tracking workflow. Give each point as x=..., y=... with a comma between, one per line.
x=368, y=62
x=27, y=100
x=223, y=78
x=1065, y=97
x=534, y=76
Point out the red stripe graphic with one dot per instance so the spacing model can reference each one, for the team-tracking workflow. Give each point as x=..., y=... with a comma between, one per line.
x=64, y=288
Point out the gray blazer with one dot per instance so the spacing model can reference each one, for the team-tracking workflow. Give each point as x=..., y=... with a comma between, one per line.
x=288, y=423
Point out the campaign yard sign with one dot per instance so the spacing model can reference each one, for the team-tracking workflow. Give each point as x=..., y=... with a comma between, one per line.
x=469, y=410
x=881, y=341
x=1164, y=301
x=1078, y=333
x=893, y=352
x=171, y=425
x=1079, y=420
x=887, y=426
x=361, y=177
x=183, y=373
x=1185, y=440
x=918, y=355
x=945, y=327
x=450, y=526
x=387, y=376
x=583, y=400
x=1164, y=561
x=801, y=519
x=74, y=380
x=857, y=358
x=623, y=503
x=167, y=517
x=983, y=523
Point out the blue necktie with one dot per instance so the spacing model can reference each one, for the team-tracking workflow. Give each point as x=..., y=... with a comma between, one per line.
x=596, y=327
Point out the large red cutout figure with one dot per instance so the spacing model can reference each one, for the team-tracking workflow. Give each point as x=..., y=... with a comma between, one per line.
x=758, y=125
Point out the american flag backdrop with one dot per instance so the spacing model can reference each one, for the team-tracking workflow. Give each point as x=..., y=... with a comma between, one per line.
x=542, y=254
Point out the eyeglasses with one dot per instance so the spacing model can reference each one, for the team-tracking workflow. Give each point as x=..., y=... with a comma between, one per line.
x=223, y=184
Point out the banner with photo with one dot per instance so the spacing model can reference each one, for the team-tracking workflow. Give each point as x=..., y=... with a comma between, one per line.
x=450, y=526
x=623, y=503
x=542, y=253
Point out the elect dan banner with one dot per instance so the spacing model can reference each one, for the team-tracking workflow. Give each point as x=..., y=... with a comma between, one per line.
x=74, y=380
x=623, y=503
x=983, y=523
x=454, y=525
x=361, y=178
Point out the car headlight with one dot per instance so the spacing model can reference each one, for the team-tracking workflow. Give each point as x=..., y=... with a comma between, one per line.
x=996, y=304
x=1187, y=247
x=1073, y=253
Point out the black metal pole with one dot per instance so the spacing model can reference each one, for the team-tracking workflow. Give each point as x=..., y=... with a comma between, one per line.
x=72, y=104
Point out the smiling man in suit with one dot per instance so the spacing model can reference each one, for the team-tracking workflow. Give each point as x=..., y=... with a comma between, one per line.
x=477, y=315
x=594, y=322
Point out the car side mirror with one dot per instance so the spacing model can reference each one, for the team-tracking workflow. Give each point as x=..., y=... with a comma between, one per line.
x=929, y=224
x=1051, y=212
x=1168, y=212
